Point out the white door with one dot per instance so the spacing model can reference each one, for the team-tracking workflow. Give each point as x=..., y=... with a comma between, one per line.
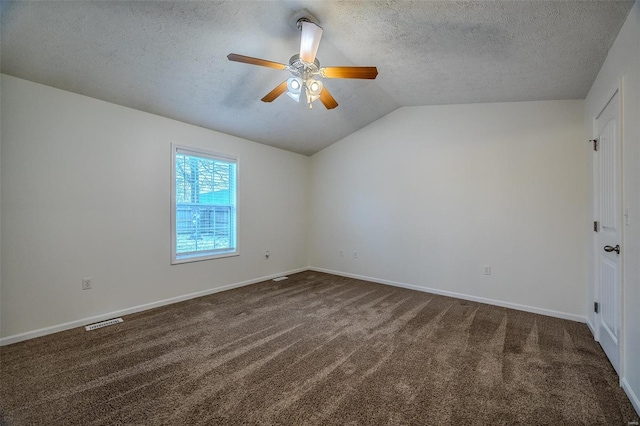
x=607, y=197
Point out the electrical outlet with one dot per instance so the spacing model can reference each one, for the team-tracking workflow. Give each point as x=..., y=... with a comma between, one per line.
x=341, y=253
x=266, y=254
x=355, y=254
x=487, y=269
x=87, y=283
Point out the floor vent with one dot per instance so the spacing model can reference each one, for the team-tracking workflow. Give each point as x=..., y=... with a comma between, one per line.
x=103, y=324
x=280, y=278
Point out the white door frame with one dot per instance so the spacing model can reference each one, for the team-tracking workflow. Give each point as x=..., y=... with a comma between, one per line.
x=595, y=243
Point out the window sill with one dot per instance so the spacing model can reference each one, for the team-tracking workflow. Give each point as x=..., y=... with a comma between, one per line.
x=199, y=258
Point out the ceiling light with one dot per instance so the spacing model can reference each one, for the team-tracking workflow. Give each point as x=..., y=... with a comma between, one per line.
x=294, y=88
x=314, y=88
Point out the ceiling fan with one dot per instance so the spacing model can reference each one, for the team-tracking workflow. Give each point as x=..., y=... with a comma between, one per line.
x=305, y=67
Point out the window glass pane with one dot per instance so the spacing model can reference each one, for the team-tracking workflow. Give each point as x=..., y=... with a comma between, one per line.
x=205, y=216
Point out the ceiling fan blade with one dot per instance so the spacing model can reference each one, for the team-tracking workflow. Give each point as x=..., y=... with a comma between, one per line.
x=279, y=90
x=327, y=100
x=350, y=72
x=255, y=61
x=309, y=41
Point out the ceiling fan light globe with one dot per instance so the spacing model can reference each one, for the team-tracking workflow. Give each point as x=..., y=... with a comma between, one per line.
x=294, y=88
x=314, y=87
x=294, y=85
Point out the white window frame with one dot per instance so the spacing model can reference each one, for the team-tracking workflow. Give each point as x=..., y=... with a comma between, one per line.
x=199, y=152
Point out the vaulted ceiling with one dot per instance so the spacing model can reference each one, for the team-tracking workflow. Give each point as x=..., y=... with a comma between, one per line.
x=170, y=57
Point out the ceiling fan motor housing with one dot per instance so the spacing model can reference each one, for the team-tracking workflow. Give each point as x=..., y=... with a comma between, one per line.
x=299, y=67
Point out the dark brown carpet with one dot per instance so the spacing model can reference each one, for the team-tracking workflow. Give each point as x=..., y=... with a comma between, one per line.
x=316, y=349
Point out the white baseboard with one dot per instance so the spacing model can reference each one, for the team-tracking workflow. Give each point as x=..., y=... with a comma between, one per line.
x=632, y=395
x=84, y=321
x=501, y=303
x=591, y=327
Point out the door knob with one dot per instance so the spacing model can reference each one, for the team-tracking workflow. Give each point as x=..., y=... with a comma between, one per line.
x=609, y=249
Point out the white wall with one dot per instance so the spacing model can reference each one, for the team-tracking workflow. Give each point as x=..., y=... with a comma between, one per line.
x=0, y=209
x=428, y=195
x=623, y=65
x=85, y=193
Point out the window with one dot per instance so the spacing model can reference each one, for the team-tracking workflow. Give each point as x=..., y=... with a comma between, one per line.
x=203, y=205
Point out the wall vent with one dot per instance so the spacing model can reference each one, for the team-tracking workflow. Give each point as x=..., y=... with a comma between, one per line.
x=103, y=324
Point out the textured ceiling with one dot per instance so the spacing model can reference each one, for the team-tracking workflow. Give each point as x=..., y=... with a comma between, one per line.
x=169, y=58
